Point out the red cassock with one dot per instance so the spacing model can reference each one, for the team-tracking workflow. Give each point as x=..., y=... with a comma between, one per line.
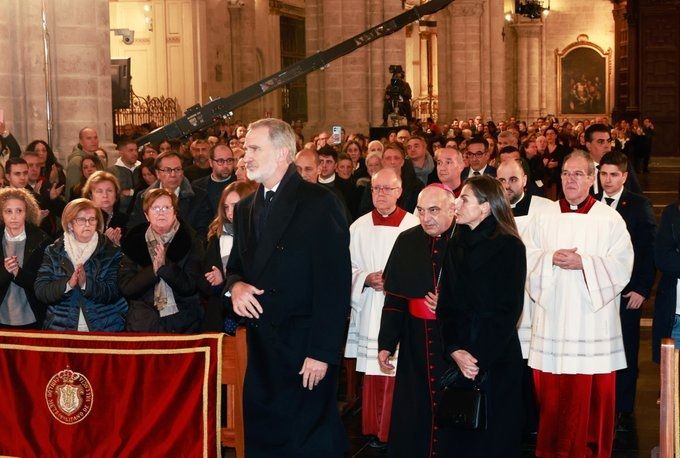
x=95, y=394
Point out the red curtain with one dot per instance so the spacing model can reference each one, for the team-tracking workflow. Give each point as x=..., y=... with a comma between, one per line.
x=96, y=394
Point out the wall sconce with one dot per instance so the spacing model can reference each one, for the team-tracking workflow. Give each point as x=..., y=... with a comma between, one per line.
x=148, y=17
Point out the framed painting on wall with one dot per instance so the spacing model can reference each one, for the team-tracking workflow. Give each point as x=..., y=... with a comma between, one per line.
x=583, y=75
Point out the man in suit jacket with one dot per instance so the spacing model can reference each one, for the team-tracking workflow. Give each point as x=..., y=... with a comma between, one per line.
x=290, y=277
x=598, y=143
x=478, y=157
x=639, y=217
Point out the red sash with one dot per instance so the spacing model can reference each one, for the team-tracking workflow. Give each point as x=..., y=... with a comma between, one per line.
x=419, y=309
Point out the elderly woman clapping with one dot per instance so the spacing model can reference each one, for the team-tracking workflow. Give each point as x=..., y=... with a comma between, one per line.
x=161, y=269
x=78, y=278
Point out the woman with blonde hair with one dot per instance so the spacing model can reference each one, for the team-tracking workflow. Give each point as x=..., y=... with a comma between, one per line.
x=103, y=189
x=22, y=245
x=220, y=241
x=78, y=278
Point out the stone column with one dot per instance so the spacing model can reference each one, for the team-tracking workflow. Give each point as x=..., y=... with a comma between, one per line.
x=461, y=79
x=528, y=68
x=80, y=71
x=534, y=83
x=632, y=19
x=346, y=93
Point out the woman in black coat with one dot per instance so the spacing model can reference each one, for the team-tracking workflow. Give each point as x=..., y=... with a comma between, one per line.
x=480, y=302
x=161, y=269
x=22, y=245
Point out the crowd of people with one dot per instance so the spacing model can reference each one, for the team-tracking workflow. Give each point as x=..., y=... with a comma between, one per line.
x=517, y=254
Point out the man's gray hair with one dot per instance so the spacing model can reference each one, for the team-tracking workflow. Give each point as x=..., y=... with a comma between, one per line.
x=281, y=134
x=585, y=155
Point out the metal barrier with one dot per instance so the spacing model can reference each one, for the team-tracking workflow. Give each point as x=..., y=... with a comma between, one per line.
x=158, y=110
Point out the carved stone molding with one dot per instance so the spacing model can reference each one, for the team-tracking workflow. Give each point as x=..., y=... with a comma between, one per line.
x=467, y=8
x=528, y=30
x=291, y=8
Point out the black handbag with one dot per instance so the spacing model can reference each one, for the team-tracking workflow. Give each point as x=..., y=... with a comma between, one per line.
x=461, y=403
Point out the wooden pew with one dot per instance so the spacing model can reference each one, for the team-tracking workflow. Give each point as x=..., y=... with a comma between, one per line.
x=234, y=357
x=669, y=424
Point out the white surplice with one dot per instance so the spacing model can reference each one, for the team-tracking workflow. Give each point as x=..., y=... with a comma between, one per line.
x=576, y=327
x=370, y=247
x=537, y=205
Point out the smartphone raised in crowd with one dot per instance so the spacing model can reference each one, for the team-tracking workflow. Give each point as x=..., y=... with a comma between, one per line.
x=336, y=138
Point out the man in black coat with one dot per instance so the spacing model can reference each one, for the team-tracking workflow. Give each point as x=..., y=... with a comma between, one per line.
x=408, y=321
x=639, y=217
x=290, y=276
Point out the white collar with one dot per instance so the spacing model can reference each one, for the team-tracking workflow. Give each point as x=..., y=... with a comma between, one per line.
x=616, y=196
x=520, y=199
x=120, y=163
x=481, y=171
x=274, y=188
x=328, y=180
x=17, y=238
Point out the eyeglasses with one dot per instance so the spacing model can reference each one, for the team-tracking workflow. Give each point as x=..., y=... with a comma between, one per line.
x=476, y=155
x=161, y=209
x=577, y=175
x=80, y=221
x=223, y=161
x=382, y=189
x=170, y=171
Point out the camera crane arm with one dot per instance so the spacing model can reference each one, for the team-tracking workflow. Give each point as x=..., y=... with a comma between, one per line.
x=200, y=117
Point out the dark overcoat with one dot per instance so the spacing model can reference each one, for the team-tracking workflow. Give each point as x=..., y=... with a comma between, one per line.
x=481, y=299
x=301, y=261
x=667, y=256
x=182, y=271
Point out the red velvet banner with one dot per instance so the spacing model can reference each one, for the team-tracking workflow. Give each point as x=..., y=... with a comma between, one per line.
x=96, y=394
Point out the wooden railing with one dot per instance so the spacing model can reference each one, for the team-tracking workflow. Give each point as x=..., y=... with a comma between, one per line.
x=234, y=356
x=669, y=422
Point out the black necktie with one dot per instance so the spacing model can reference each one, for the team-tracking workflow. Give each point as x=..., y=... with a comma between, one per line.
x=609, y=200
x=264, y=213
x=268, y=197
x=476, y=173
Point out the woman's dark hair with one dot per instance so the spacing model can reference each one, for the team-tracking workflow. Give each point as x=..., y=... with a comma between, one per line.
x=51, y=158
x=488, y=189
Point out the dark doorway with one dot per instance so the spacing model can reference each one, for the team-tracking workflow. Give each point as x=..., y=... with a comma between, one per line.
x=293, y=95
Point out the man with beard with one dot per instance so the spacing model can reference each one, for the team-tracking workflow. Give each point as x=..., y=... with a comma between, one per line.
x=290, y=276
x=524, y=207
x=408, y=320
